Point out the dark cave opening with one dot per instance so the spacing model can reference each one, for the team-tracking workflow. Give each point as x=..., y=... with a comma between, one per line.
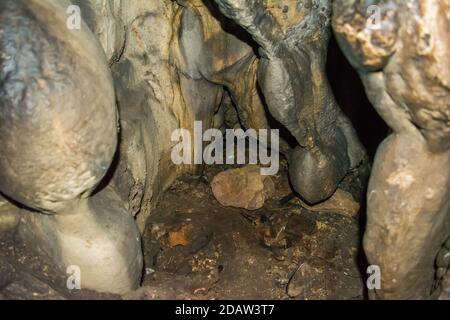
x=351, y=97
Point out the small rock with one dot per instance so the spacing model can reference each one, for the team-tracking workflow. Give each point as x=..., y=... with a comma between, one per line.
x=158, y=230
x=242, y=188
x=341, y=203
x=179, y=237
x=149, y=271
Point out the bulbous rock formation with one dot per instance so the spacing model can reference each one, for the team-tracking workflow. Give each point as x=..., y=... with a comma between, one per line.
x=58, y=138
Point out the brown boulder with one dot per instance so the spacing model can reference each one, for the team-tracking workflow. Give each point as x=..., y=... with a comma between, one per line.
x=242, y=188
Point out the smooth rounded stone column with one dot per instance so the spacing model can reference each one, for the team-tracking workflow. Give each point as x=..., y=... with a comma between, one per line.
x=58, y=136
x=401, y=51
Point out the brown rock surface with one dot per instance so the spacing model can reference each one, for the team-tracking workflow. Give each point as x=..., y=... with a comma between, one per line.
x=341, y=202
x=9, y=216
x=242, y=188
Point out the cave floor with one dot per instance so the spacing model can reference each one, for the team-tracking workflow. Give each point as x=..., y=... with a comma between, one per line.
x=196, y=249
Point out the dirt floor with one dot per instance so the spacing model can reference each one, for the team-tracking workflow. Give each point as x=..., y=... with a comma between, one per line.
x=194, y=248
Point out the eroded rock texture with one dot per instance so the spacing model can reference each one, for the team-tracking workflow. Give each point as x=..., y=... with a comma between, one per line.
x=292, y=40
x=403, y=61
